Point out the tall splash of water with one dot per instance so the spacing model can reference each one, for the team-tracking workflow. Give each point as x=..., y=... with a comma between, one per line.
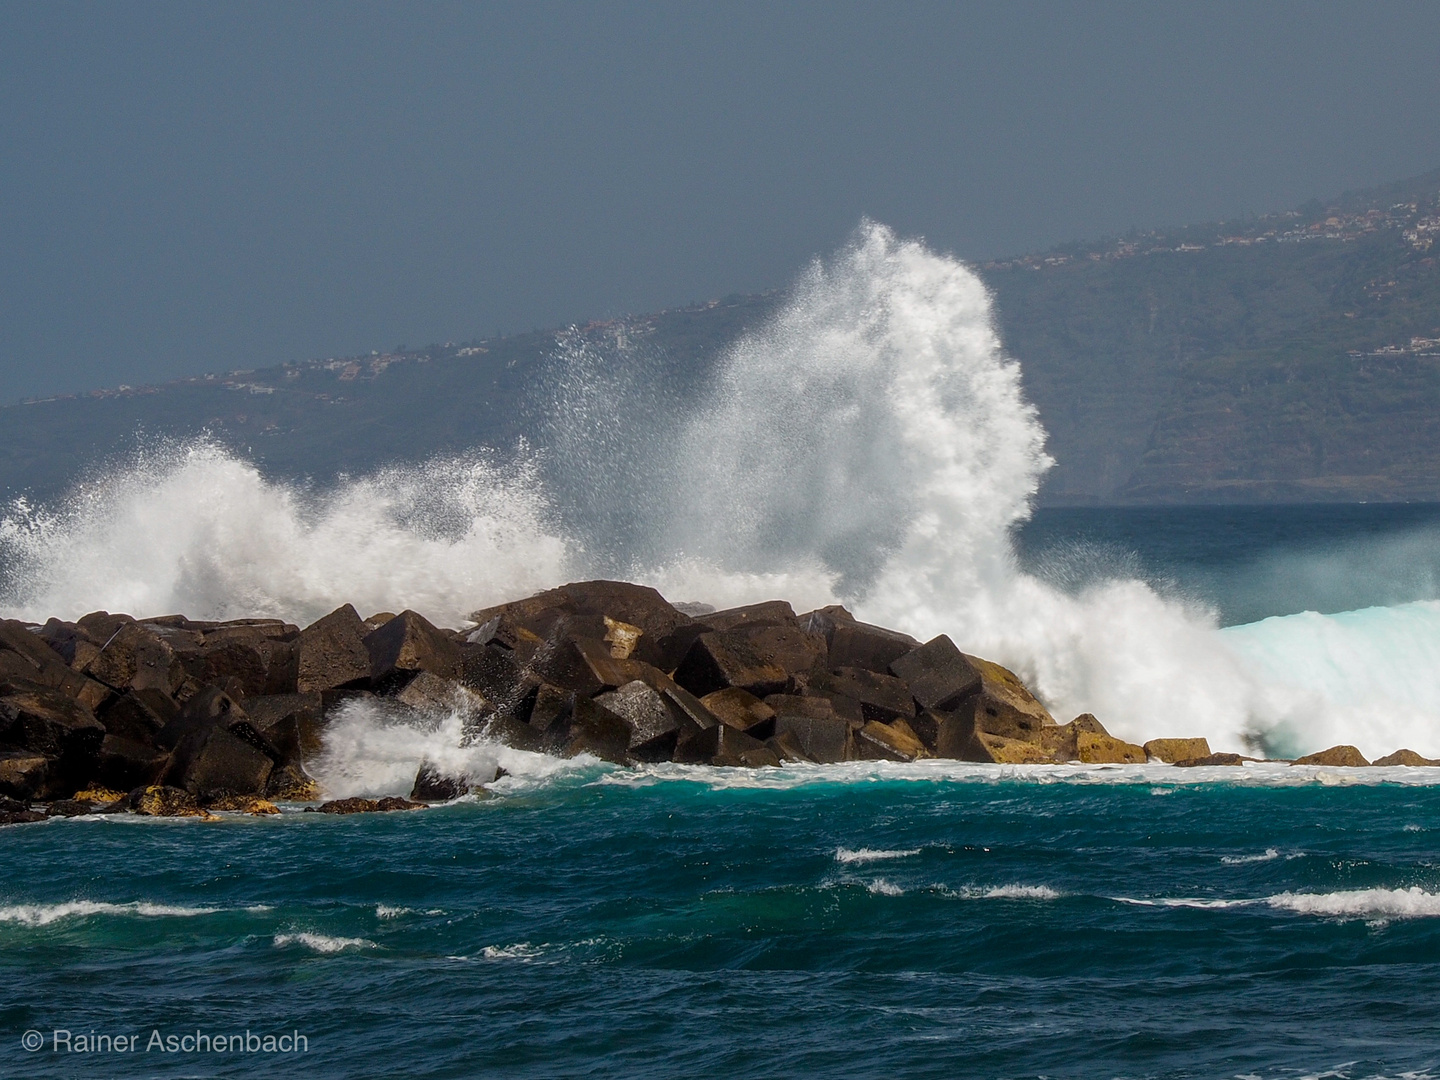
x=873, y=428
x=872, y=444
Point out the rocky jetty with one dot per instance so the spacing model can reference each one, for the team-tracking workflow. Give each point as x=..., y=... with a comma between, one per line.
x=178, y=717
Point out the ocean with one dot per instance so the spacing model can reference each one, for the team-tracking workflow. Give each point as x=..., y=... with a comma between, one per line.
x=858, y=921
x=873, y=447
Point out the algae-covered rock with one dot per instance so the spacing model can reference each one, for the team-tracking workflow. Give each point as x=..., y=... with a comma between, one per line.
x=1210, y=759
x=1341, y=756
x=369, y=806
x=1060, y=742
x=1096, y=748
x=1173, y=750
x=99, y=795
x=289, y=783
x=1005, y=707
x=1405, y=757
x=159, y=801
x=786, y=747
x=888, y=742
x=997, y=749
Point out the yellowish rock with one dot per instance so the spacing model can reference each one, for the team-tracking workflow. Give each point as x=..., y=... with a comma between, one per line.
x=1095, y=748
x=1348, y=757
x=259, y=807
x=169, y=802
x=98, y=795
x=894, y=742
x=1005, y=707
x=1003, y=751
x=1173, y=750
x=291, y=784
x=1060, y=742
x=1400, y=757
x=621, y=637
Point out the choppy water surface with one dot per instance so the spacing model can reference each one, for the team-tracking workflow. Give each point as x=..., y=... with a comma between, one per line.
x=849, y=921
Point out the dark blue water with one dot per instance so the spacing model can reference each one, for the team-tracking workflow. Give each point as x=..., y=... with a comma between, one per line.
x=677, y=927
x=1248, y=562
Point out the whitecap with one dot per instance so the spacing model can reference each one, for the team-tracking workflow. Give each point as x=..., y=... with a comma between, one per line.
x=522, y=951
x=323, y=943
x=1410, y=903
x=1240, y=860
x=1022, y=892
x=866, y=855
x=881, y=887
x=1201, y=903
x=45, y=914
x=1003, y=892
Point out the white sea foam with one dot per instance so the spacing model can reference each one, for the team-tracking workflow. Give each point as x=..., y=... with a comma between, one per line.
x=197, y=530
x=868, y=855
x=385, y=911
x=323, y=943
x=790, y=777
x=1021, y=892
x=1240, y=860
x=370, y=751
x=881, y=887
x=1201, y=903
x=45, y=914
x=1410, y=903
x=870, y=444
x=1370, y=904
x=1002, y=892
x=523, y=951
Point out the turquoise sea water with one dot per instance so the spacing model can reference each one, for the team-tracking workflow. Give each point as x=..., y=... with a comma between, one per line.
x=858, y=920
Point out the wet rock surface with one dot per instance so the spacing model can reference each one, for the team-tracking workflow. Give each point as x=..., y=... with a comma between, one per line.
x=194, y=718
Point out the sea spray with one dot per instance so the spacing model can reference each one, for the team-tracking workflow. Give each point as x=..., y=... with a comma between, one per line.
x=1369, y=675
x=195, y=529
x=873, y=442
x=870, y=445
x=372, y=750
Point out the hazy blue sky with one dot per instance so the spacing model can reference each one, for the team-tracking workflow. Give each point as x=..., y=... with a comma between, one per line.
x=194, y=187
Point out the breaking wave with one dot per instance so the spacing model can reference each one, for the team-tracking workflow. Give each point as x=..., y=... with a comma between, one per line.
x=194, y=529
x=870, y=445
x=45, y=914
x=1370, y=904
x=323, y=943
x=867, y=855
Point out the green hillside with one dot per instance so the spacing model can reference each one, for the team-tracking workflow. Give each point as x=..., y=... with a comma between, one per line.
x=1289, y=357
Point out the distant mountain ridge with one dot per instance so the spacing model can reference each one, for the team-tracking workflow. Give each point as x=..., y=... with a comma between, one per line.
x=1289, y=357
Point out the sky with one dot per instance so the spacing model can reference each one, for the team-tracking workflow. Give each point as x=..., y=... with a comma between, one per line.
x=189, y=187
